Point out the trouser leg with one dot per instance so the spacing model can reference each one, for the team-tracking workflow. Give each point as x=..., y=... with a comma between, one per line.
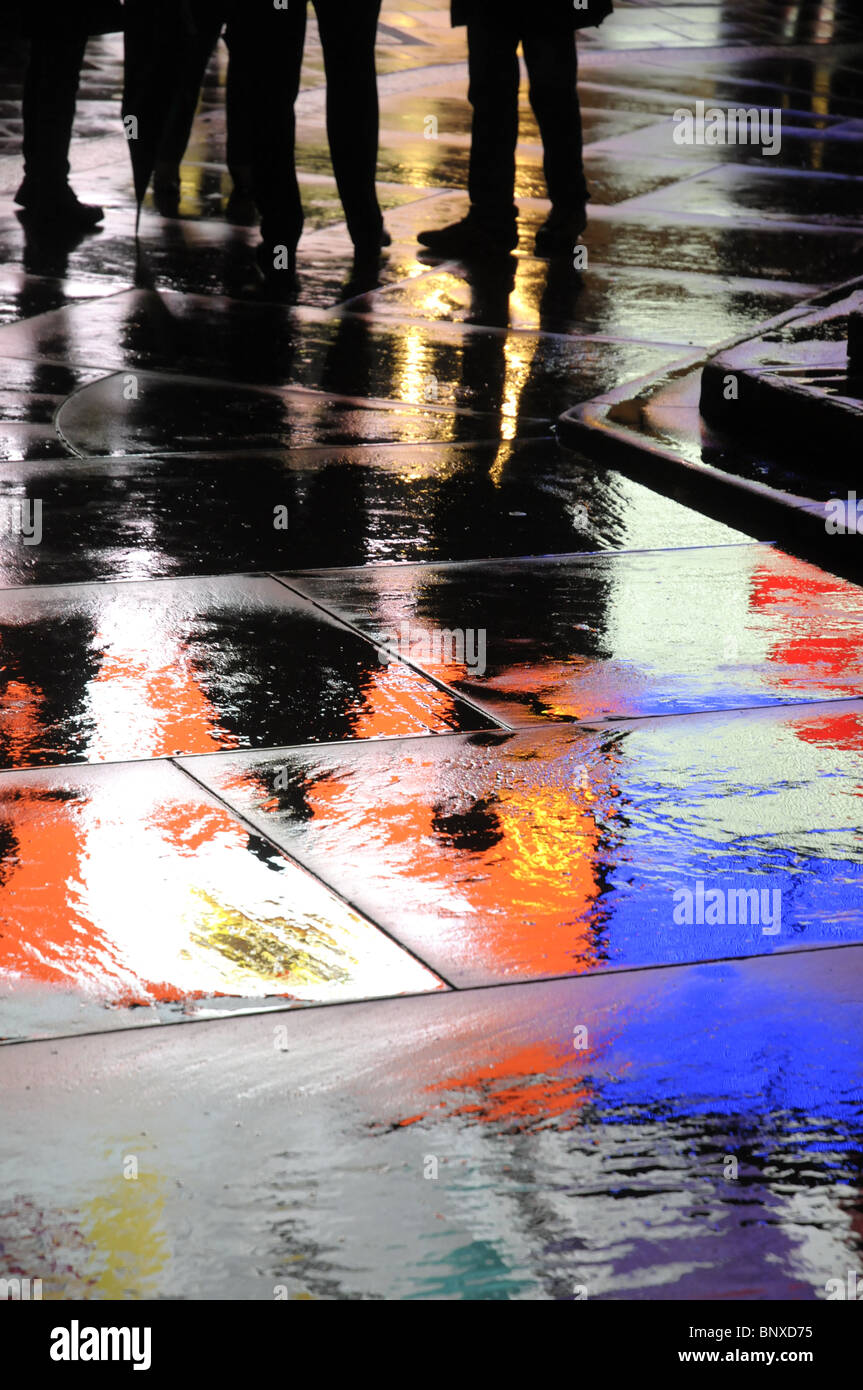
x=239, y=97
x=268, y=44
x=348, y=32
x=48, y=108
x=493, y=94
x=552, y=65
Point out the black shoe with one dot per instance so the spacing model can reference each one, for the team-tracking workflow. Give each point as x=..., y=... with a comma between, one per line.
x=469, y=240
x=368, y=248
x=166, y=199
x=59, y=210
x=365, y=273
x=276, y=258
x=166, y=176
x=560, y=231
x=277, y=263
x=166, y=188
x=240, y=209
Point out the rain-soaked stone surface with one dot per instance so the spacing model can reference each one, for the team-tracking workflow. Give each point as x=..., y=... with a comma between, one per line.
x=662, y=305
x=232, y=348
x=501, y=856
x=105, y=673
x=653, y=784
x=31, y=394
x=738, y=193
x=345, y=504
x=588, y=637
x=130, y=896
x=556, y=1141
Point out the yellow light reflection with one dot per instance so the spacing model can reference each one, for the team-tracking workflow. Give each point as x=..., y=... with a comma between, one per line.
x=504, y=454
x=413, y=377
x=820, y=107
x=127, y=1229
x=519, y=351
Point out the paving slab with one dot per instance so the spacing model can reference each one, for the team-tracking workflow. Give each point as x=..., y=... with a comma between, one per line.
x=31, y=393
x=131, y=897
x=674, y=1134
x=108, y=672
x=197, y=250
x=144, y=517
x=532, y=376
x=749, y=192
x=817, y=139
x=24, y=295
x=405, y=112
x=191, y=255
x=633, y=236
x=159, y=413
x=651, y=305
x=611, y=635
x=573, y=850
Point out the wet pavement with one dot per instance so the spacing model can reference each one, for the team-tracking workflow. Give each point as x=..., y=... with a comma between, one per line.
x=544, y=1141
x=336, y=670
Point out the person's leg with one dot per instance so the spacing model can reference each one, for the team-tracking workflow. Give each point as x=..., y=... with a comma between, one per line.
x=552, y=64
x=48, y=110
x=348, y=32
x=491, y=227
x=239, y=96
x=493, y=93
x=269, y=44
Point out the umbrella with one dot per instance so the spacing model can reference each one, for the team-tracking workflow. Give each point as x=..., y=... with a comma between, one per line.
x=157, y=33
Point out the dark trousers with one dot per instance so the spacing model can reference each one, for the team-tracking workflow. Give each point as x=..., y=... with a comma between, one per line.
x=552, y=64
x=48, y=106
x=209, y=18
x=276, y=39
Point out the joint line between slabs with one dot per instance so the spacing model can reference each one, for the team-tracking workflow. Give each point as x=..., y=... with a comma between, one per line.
x=541, y=729
x=329, y=887
x=456, y=695
x=282, y=1010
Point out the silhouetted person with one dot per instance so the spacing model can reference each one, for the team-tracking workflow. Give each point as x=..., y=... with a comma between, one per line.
x=277, y=37
x=208, y=18
x=546, y=31
x=58, y=37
